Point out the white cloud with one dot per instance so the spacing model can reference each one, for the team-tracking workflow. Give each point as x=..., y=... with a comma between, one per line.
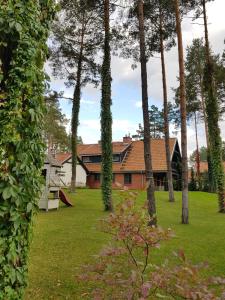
x=138, y=104
x=90, y=124
x=122, y=71
x=222, y=127
x=123, y=127
x=90, y=129
x=88, y=102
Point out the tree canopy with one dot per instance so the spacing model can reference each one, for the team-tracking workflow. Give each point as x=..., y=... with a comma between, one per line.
x=55, y=124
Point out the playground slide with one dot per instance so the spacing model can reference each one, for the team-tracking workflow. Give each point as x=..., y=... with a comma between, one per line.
x=64, y=198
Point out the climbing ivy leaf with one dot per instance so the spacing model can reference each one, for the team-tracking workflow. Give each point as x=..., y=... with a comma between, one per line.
x=24, y=28
x=6, y=193
x=29, y=207
x=18, y=27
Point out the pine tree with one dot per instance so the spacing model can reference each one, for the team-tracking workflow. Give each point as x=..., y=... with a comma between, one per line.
x=76, y=40
x=185, y=210
x=156, y=122
x=212, y=107
x=212, y=111
x=132, y=32
x=147, y=138
x=161, y=15
x=196, y=96
x=55, y=124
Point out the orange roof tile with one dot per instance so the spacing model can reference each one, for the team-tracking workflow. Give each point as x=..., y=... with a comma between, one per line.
x=95, y=149
x=134, y=159
x=62, y=156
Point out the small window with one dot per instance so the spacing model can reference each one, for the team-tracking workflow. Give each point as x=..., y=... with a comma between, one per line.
x=97, y=177
x=116, y=158
x=127, y=178
x=86, y=159
x=92, y=159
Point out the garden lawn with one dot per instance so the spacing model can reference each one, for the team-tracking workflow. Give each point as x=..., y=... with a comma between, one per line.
x=65, y=239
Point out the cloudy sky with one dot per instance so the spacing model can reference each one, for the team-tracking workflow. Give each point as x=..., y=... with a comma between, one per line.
x=126, y=86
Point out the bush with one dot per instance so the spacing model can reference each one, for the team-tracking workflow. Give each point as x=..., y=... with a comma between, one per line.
x=123, y=269
x=193, y=185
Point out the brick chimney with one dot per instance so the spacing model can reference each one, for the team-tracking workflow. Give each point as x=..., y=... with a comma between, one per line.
x=127, y=139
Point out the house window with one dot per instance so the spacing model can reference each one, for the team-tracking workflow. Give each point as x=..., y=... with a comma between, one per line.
x=86, y=159
x=127, y=178
x=116, y=158
x=92, y=159
x=97, y=177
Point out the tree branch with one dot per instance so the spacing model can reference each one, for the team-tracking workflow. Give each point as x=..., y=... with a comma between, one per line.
x=67, y=98
x=131, y=254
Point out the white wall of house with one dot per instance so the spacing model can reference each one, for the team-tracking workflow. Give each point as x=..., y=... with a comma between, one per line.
x=81, y=176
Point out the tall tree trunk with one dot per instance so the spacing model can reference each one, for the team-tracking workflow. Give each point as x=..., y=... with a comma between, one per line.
x=75, y=115
x=185, y=212
x=147, y=138
x=106, y=116
x=212, y=111
x=166, y=122
x=211, y=180
x=204, y=111
x=197, y=150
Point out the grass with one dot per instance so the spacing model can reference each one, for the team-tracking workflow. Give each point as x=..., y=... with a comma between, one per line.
x=67, y=238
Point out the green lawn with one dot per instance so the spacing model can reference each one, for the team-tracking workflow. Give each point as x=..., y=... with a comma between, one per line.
x=67, y=238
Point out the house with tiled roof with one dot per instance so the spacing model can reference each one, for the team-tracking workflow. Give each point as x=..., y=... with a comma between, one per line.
x=128, y=163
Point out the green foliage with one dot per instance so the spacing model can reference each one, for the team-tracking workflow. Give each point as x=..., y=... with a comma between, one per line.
x=24, y=30
x=202, y=153
x=161, y=14
x=193, y=182
x=223, y=151
x=204, y=182
x=156, y=122
x=55, y=124
x=127, y=34
x=212, y=111
x=194, y=73
x=197, y=94
x=124, y=269
x=77, y=36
